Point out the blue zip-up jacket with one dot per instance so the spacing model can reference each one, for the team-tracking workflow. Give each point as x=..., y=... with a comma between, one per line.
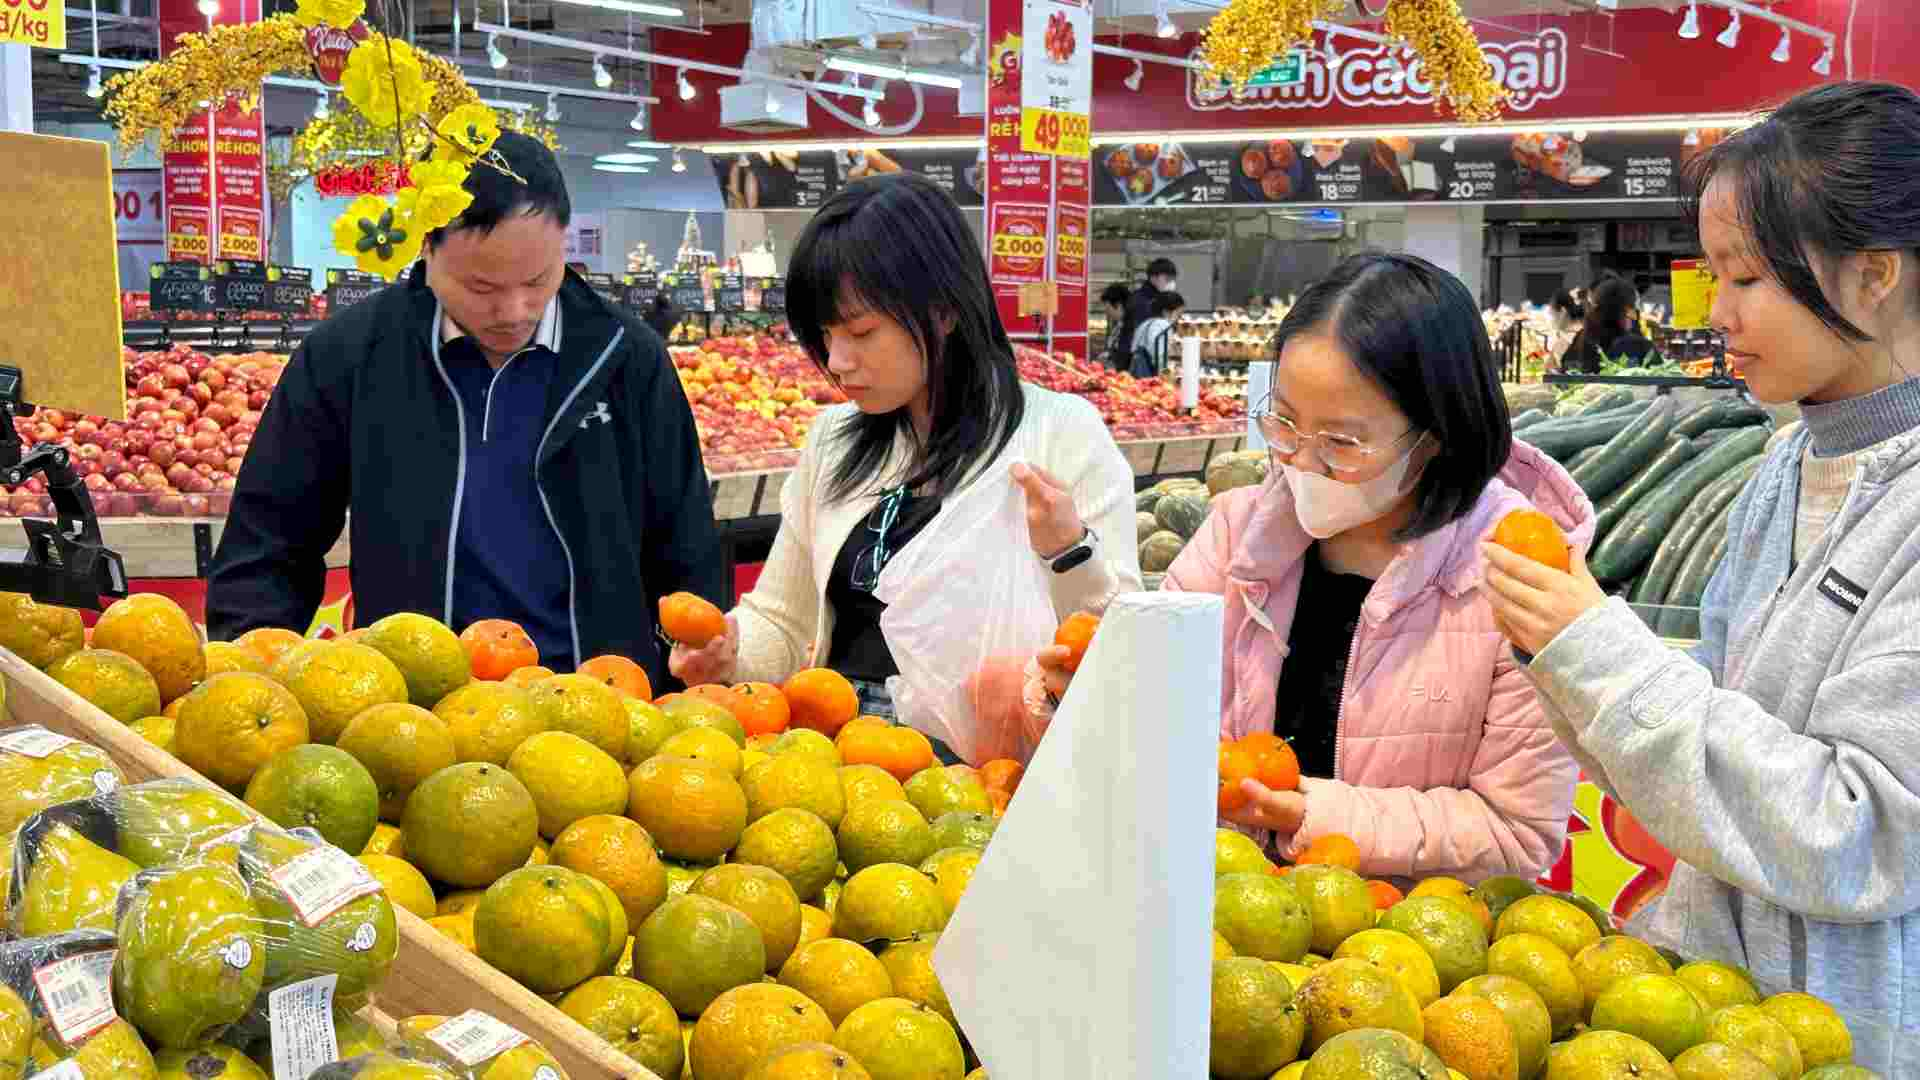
x=367, y=419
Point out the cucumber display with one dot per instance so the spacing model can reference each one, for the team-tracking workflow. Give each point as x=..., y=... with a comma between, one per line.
x=1584, y=456
x=1631, y=543
x=1561, y=439
x=1654, y=584
x=1681, y=616
x=1677, y=452
x=1611, y=399
x=1627, y=452
x=1529, y=418
x=1725, y=411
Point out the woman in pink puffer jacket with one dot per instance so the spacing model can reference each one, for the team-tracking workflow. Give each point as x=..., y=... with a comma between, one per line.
x=1417, y=734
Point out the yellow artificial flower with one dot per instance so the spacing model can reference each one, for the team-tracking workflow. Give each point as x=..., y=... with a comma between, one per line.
x=436, y=197
x=387, y=87
x=336, y=13
x=470, y=129
x=379, y=236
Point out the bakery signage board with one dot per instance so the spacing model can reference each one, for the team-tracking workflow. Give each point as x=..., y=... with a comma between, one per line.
x=1395, y=169
x=803, y=180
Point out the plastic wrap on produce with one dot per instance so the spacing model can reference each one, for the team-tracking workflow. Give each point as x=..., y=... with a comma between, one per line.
x=40, y=767
x=57, y=1010
x=471, y=1046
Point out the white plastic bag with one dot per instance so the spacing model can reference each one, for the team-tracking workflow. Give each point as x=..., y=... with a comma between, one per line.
x=967, y=607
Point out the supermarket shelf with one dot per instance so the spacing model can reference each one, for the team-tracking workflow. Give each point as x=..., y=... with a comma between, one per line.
x=1664, y=382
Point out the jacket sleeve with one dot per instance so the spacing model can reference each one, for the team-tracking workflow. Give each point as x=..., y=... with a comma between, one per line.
x=780, y=617
x=1088, y=462
x=681, y=546
x=1821, y=826
x=1511, y=818
x=289, y=505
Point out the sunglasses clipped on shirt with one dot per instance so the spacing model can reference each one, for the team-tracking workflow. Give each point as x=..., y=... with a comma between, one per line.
x=873, y=557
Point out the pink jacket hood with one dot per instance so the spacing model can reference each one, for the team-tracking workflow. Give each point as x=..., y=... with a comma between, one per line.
x=1445, y=763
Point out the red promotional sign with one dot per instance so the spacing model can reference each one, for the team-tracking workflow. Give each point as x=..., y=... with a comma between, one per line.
x=187, y=168
x=215, y=173
x=239, y=160
x=1017, y=252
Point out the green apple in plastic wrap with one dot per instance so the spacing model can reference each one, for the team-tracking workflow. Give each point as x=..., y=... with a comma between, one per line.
x=192, y=958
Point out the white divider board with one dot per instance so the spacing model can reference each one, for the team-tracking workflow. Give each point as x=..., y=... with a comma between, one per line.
x=1082, y=948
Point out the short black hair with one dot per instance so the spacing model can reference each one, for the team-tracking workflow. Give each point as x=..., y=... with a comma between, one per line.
x=1834, y=171
x=497, y=196
x=1115, y=293
x=1162, y=265
x=898, y=245
x=1415, y=330
x=1607, y=307
x=1167, y=302
x=1565, y=301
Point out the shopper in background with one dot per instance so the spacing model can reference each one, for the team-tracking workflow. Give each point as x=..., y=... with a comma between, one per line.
x=1353, y=626
x=1154, y=339
x=1161, y=277
x=1565, y=310
x=1779, y=760
x=1611, y=327
x=510, y=446
x=1119, y=355
x=888, y=293
x=662, y=315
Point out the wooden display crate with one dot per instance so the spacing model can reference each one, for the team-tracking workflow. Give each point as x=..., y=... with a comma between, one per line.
x=430, y=973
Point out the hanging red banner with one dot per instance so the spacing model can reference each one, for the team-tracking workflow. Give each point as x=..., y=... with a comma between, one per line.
x=215, y=172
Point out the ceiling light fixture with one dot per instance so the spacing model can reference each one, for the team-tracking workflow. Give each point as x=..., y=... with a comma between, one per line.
x=209, y=8
x=639, y=121
x=1162, y=25
x=648, y=144
x=934, y=78
x=686, y=86
x=855, y=66
x=869, y=41
x=1139, y=72
x=1824, y=65
x=1449, y=143
x=495, y=58
x=602, y=78
x=869, y=114
x=321, y=109
x=1690, y=23
x=604, y=167
x=678, y=164
x=1731, y=35
x=94, y=89
x=632, y=8
x=773, y=103
x=1783, y=52
x=553, y=108
x=624, y=158
x=971, y=57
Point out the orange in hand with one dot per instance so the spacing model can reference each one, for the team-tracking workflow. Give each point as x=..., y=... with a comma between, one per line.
x=1002, y=774
x=691, y=620
x=1277, y=767
x=1236, y=764
x=1535, y=535
x=821, y=700
x=761, y=708
x=497, y=647
x=1332, y=849
x=620, y=673
x=1076, y=634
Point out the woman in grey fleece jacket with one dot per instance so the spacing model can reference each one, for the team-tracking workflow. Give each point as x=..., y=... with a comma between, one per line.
x=1780, y=760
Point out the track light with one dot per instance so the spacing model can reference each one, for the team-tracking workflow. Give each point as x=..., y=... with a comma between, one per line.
x=209, y=8
x=94, y=89
x=686, y=87
x=1783, y=52
x=1448, y=144
x=870, y=114
x=1163, y=26
x=1824, y=65
x=321, y=110
x=553, y=108
x=773, y=103
x=679, y=165
x=639, y=121
x=971, y=57
x=869, y=41
x=1731, y=35
x=1139, y=72
x=602, y=78
x=495, y=58
x=1690, y=23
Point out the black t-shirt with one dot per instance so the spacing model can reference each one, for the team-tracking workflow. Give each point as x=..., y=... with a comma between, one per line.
x=1319, y=645
x=858, y=649
x=1582, y=357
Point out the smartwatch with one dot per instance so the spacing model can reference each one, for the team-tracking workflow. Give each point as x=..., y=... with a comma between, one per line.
x=1075, y=555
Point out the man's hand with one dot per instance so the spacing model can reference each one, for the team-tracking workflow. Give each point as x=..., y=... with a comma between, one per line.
x=1281, y=811
x=1533, y=603
x=1052, y=522
x=712, y=664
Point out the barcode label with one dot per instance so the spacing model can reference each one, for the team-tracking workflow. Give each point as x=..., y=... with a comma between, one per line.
x=77, y=994
x=66, y=1070
x=34, y=742
x=300, y=1017
x=474, y=1038
x=322, y=881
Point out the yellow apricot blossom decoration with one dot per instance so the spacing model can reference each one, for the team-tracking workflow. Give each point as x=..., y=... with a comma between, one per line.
x=378, y=235
x=437, y=194
x=1248, y=35
x=225, y=62
x=468, y=131
x=339, y=14
x=384, y=80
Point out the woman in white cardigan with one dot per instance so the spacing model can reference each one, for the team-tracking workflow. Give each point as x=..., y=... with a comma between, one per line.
x=888, y=293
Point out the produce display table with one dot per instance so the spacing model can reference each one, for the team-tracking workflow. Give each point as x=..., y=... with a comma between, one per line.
x=431, y=974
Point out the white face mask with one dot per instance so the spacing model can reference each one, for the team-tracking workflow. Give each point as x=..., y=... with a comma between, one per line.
x=1327, y=507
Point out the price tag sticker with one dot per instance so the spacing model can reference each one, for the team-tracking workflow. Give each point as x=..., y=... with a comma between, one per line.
x=474, y=1038
x=34, y=742
x=322, y=881
x=66, y=1070
x=300, y=1017
x=77, y=994
x=1049, y=131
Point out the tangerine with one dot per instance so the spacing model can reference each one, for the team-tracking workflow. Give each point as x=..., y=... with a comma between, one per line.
x=1276, y=766
x=691, y=620
x=620, y=673
x=821, y=700
x=497, y=648
x=1236, y=765
x=761, y=708
x=1535, y=535
x=527, y=676
x=1076, y=634
x=1385, y=895
x=901, y=751
x=1332, y=849
x=1002, y=774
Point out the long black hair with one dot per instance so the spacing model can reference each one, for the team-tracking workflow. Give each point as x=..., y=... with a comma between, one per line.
x=1416, y=331
x=1834, y=171
x=897, y=245
x=1608, y=305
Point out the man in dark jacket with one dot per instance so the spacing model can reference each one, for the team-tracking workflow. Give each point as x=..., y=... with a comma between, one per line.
x=510, y=446
x=1161, y=275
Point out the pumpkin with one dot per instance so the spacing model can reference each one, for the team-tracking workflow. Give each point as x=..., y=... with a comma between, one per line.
x=1145, y=501
x=1241, y=468
x=1159, y=552
x=1144, y=525
x=1181, y=514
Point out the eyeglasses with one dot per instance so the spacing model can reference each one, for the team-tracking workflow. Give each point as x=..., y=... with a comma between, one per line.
x=873, y=558
x=1339, y=453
